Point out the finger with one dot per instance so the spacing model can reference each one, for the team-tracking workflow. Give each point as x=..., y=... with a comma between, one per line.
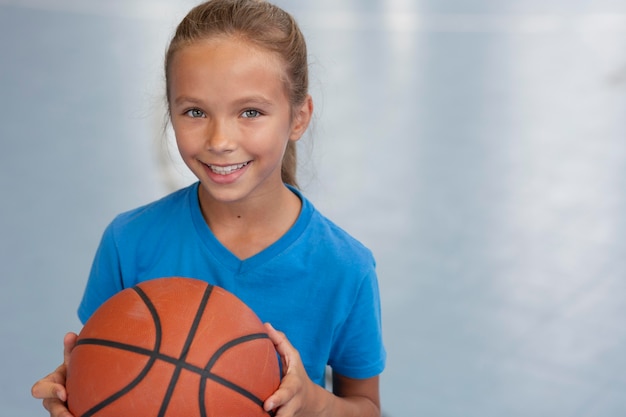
x=69, y=341
x=282, y=344
x=276, y=400
x=56, y=408
x=49, y=391
x=282, y=406
x=272, y=332
x=285, y=395
x=50, y=387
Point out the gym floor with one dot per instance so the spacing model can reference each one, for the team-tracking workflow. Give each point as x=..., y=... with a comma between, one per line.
x=478, y=148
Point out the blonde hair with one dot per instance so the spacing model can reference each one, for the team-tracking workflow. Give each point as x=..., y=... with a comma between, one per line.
x=263, y=24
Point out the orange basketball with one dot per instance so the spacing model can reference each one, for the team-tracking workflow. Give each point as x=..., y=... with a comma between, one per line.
x=172, y=347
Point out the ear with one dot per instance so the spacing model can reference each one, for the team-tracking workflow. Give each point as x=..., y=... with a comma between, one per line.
x=301, y=119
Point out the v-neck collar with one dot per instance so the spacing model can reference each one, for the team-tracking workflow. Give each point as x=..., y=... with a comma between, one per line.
x=225, y=256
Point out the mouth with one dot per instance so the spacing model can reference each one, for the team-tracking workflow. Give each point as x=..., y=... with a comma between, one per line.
x=227, y=169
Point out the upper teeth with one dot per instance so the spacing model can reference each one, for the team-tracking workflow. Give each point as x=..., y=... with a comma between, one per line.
x=228, y=169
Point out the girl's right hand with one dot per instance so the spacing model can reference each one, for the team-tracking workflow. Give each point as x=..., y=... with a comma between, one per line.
x=51, y=389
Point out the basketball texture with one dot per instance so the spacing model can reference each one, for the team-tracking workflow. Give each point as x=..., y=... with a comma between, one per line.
x=172, y=347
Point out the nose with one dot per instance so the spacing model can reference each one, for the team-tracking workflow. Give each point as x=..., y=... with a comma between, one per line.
x=219, y=137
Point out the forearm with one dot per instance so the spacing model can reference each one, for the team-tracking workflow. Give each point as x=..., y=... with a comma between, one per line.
x=350, y=398
x=350, y=406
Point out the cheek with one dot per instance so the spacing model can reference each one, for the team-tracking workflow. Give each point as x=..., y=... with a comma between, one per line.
x=186, y=150
x=186, y=141
x=273, y=149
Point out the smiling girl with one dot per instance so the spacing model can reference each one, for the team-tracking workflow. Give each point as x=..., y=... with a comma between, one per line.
x=237, y=90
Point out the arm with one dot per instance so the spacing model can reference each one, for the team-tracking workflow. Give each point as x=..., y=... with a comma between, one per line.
x=362, y=392
x=51, y=389
x=298, y=396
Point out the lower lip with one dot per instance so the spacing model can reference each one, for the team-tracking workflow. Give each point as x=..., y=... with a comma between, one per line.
x=228, y=178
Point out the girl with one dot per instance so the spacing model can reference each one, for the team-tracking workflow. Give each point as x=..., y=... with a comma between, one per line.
x=237, y=90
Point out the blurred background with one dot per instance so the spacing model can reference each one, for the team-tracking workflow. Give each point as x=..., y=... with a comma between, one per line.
x=477, y=147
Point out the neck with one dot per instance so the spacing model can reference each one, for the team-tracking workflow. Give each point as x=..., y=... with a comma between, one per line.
x=272, y=205
x=247, y=227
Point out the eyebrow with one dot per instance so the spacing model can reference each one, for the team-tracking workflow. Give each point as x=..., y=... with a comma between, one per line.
x=186, y=99
x=254, y=100
x=244, y=101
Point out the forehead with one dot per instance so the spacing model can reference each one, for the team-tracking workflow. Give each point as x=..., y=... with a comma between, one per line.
x=226, y=60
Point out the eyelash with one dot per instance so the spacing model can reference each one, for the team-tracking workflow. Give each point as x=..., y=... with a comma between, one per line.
x=197, y=113
x=247, y=111
x=194, y=113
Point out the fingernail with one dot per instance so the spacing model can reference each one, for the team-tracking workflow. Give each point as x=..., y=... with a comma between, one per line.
x=60, y=395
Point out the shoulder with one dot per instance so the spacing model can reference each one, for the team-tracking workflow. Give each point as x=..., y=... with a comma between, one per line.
x=333, y=235
x=177, y=199
x=151, y=222
x=330, y=241
x=338, y=239
x=156, y=213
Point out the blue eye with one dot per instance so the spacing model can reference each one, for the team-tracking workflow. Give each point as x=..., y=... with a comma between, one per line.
x=250, y=113
x=194, y=113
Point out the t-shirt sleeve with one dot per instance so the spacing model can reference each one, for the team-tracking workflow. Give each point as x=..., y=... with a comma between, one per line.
x=358, y=351
x=105, y=276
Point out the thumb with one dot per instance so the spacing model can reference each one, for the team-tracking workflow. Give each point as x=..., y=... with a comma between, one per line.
x=69, y=341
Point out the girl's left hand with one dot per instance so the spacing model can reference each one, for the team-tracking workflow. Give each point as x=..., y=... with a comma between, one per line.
x=297, y=395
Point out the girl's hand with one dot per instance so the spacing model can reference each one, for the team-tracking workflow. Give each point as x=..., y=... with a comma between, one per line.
x=51, y=389
x=297, y=395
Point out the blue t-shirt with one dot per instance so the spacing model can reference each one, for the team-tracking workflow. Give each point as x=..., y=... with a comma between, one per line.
x=316, y=284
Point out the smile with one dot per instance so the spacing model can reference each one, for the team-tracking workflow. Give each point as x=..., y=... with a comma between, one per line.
x=225, y=170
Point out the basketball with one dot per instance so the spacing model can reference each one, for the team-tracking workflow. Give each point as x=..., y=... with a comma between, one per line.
x=172, y=347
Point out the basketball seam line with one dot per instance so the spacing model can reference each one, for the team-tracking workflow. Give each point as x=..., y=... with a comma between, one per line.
x=179, y=363
x=183, y=355
x=157, y=344
x=205, y=373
